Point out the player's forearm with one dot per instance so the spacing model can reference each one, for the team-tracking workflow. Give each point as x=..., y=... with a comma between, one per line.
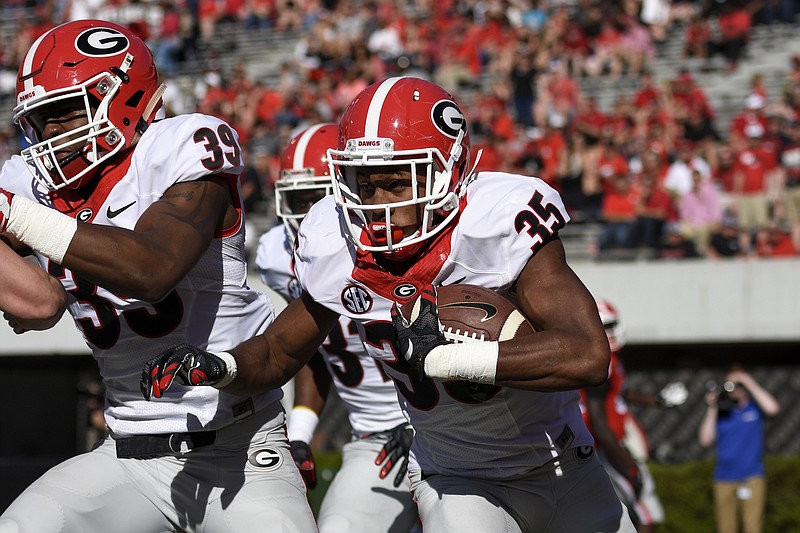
x=552, y=360
x=258, y=369
x=45, y=309
x=129, y=263
x=270, y=360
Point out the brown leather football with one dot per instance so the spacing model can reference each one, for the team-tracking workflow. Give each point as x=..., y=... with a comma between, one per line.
x=474, y=313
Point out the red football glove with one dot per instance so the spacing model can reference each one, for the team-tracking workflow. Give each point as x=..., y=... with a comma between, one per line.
x=395, y=451
x=184, y=364
x=304, y=460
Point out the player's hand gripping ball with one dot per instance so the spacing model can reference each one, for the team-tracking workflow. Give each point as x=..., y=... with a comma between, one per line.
x=470, y=313
x=455, y=313
x=419, y=333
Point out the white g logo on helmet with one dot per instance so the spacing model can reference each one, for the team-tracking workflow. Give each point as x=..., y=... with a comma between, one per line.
x=448, y=118
x=100, y=42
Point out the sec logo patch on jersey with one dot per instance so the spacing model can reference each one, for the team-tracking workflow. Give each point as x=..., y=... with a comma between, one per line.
x=356, y=299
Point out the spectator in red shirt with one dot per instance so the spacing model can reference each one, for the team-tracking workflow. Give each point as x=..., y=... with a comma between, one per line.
x=563, y=93
x=774, y=241
x=723, y=171
x=575, y=46
x=616, y=238
x=590, y=120
x=697, y=38
x=750, y=185
x=648, y=92
x=735, y=23
x=610, y=162
x=690, y=97
x=753, y=114
x=652, y=209
x=790, y=162
x=552, y=146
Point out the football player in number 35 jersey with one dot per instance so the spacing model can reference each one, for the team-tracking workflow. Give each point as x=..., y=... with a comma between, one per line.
x=141, y=221
x=363, y=497
x=499, y=442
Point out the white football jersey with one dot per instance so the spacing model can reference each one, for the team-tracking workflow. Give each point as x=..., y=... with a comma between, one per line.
x=486, y=431
x=212, y=307
x=367, y=392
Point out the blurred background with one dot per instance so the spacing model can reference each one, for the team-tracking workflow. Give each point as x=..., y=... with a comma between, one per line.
x=616, y=104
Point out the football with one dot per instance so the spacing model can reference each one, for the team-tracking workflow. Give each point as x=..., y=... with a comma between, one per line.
x=473, y=313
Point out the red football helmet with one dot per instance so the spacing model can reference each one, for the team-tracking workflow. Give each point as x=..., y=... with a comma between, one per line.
x=304, y=175
x=90, y=66
x=614, y=330
x=401, y=122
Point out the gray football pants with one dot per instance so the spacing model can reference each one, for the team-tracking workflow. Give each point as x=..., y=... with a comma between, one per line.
x=570, y=494
x=245, y=482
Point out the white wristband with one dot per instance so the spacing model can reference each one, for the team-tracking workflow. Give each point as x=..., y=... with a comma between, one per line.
x=42, y=228
x=473, y=361
x=231, y=369
x=302, y=424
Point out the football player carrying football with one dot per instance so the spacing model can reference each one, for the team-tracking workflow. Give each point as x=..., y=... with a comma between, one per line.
x=363, y=497
x=141, y=221
x=499, y=441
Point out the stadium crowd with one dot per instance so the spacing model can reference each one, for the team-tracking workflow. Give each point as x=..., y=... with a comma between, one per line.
x=655, y=170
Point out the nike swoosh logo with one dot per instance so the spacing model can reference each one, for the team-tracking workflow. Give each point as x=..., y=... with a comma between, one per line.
x=456, y=282
x=110, y=213
x=488, y=309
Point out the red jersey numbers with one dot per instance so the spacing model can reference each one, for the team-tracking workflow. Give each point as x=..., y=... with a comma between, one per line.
x=215, y=144
x=541, y=222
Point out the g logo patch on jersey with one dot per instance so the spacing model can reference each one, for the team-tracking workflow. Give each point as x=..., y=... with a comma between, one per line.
x=101, y=42
x=84, y=215
x=404, y=291
x=448, y=118
x=356, y=300
x=584, y=453
x=264, y=459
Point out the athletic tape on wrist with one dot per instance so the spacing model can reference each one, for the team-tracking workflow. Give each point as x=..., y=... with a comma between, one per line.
x=43, y=229
x=473, y=361
x=230, y=370
x=302, y=424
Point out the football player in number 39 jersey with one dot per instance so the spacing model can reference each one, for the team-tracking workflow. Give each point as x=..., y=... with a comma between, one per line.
x=363, y=497
x=499, y=442
x=141, y=221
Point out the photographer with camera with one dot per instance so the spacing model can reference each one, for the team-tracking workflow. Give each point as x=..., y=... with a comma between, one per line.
x=734, y=419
